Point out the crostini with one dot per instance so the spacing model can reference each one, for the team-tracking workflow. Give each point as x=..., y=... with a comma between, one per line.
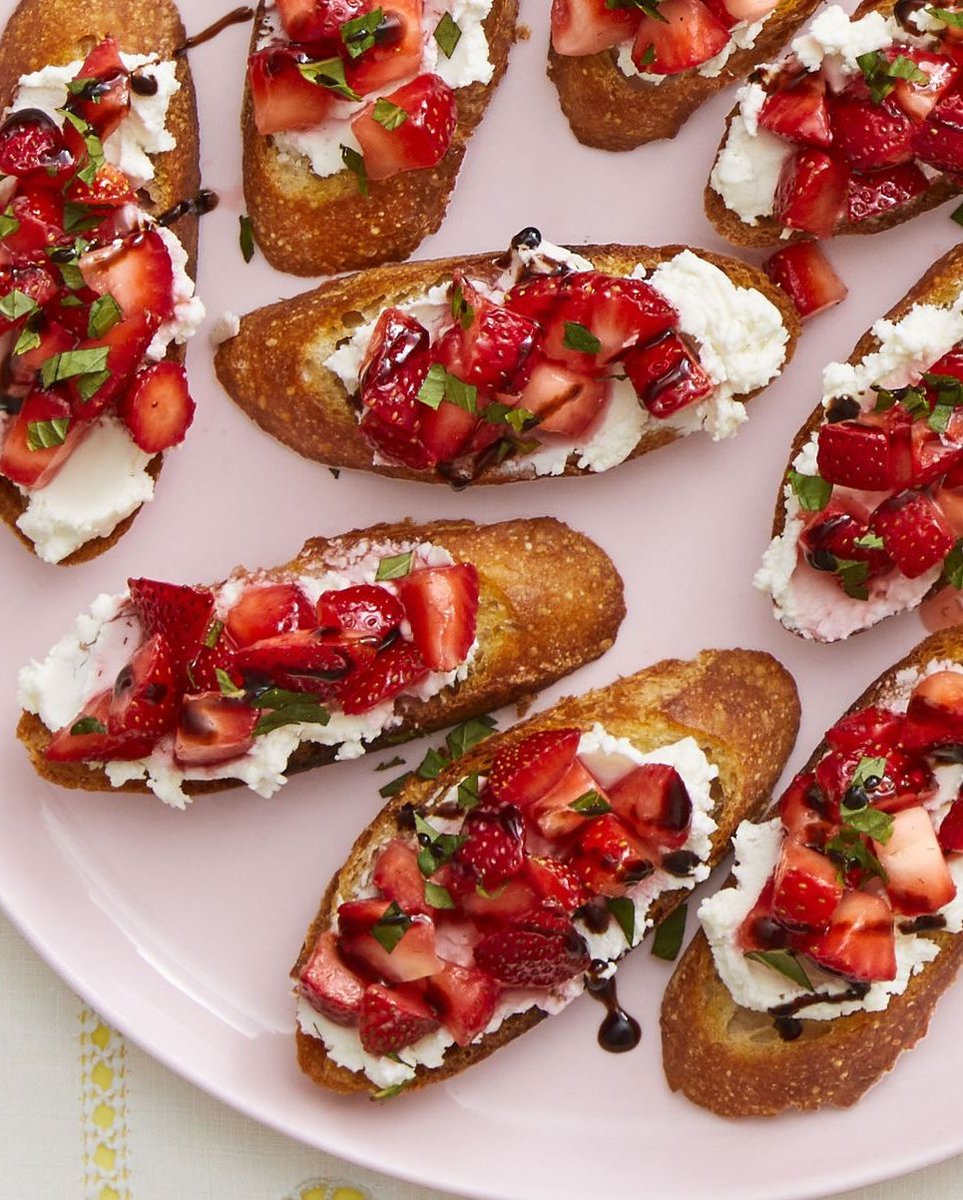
x=629, y=73
x=870, y=515
x=99, y=158
x=495, y=368
x=478, y=903
x=356, y=118
x=855, y=131
x=362, y=640
x=824, y=960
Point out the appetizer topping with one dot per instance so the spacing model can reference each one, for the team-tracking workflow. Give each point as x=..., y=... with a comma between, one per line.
x=807, y=277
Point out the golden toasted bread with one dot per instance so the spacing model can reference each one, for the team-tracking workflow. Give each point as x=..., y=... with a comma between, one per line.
x=741, y=708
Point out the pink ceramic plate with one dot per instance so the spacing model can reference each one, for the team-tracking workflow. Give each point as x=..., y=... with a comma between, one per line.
x=180, y=927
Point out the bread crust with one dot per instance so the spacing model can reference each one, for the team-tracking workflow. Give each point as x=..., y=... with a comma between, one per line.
x=273, y=368
x=44, y=32
x=767, y=231
x=520, y=649
x=613, y=111
x=306, y=225
x=730, y=1060
x=740, y=705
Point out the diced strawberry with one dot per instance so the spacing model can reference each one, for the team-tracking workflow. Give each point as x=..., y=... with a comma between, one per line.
x=836, y=538
x=653, y=802
x=32, y=454
x=423, y=137
x=441, y=604
x=950, y=833
x=872, y=195
x=138, y=274
x=555, y=882
x=938, y=141
x=41, y=222
x=609, y=858
x=110, y=189
x=36, y=280
x=950, y=364
x=903, y=781
x=395, y=669
x=917, y=877
x=803, y=809
x=871, y=136
x=760, y=930
x=394, y=367
x=397, y=876
x=683, y=35
x=918, y=99
x=446, y=431
x=806, y=275
x=181, y=614
x=411, y=957
x=213, y=728
x=539, y=950
x=806, y=889
x=202, y=673
x=33, y=149
x=466, y=1000
x=105, y=98
x=494, y=845
x=145, y=699
x=552, y=814
x=949, y=500
x=267, y=610
x=318, y=20
x=565, y=402
x=799, y=112
x=527, y=768
x=538, y=296
x=54, y=339
x=391, y=1019
x=303, y=651
x=282, y=98
x=933, y=455
x=97, y=745
x=869, y=731
x=357, y=916
x=126, y=344
x=362, y=611
x=396, y=53
x=934, y=716
x=495, y=346
x=590, y=26
x=860, y=942
x=157, y=408
x=491, y=909
x=396, y=443
x=914, y=532
x=666, y=375
x=854, y=454
x=812, y=192
x=330, y=986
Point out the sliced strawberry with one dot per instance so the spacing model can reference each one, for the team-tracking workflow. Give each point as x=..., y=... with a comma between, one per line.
x=362, y=611
x=653, y=802
x=40, y=217
x=565, y=402
x=871, y=136
x=138, y=274
x=145, y=699
x=903, y=781
x=917, y=877
x=54, y=339
x=539, y=950
x=398, y=667
x=494, y=845
x=33, y=149
x=202, y=674
x=267, y=610
x=914, y=532
x=526, y=769
x=806, y=888
x=490, y=910
x=799, y=112
x=330, y=986
x=395, y=443
x=97, y=745
x=391, y=1019
x=609, y=858
x=445, y=431
x=915, y=98
x=495, y=346
x=157, y=408
x=465, y=999
x=412, y=956
x=812, y=192
x=806, y=275
x=590, y=26
x=397, y=876
x=934, y=716
x=282, y=98
x=683, y=35
x=397, y=51
x=938, y=141
x=760, y=930
x=933, y=455
x=441, y=604
x=35, y=280
x=666, y=375
x=110, y=188
x=213, y=728
x=301, y=652
x=552, y=814
x=860, y=942
x=394, y=367
x=126, y=344
x=555, y=882
x=872, y=195
x=318, y=20
x=538, y=296
x=179, y=613
x=423, y=137
x=839, y=538
x=39, y=440
x=950, y=834
x=104, y=99
x=854, y=454
x=868, y=731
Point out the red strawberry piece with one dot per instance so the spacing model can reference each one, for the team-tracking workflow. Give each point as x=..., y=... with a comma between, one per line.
x=806, y=275
x=398, y=877
x=138, y=274
x=609, y=858
x=855, y=454
x=490, y=909
x=872, y=195
x=915, y=98
x=36, y=280
x=465, y=999
x=104, y=100
x=420, y=141
x=538, y=296
x=126, y=343
x=145, y=696
x=302, y=652
x=552, y=814
x=527, y=768
x=950, y=364
x=181, y=614
x=799, y=112
x=282, y=98
x=760, y=930
x=397, y=51
x=41, y=222
x=267, y=610
x=939, y=140
x=33, y=149
x=441, y=604
x=495, y=347
x=564, y=401
x=317, y=20
x=685, y=34
x=950, y=503
x=869, y=731
x=364, y=611
x=871, y=136
x=391, y=1019
x=653, y=802
x=914, y=532
x=157, y=408
x=555, y=882
x=933, y=455
x=398, y=667
x=32, y=454
x=330, y=986
x=589, y=26
x=950, y=834
x=806, y=888
x=539, y=950
x=411, y=957
x=804, y=811
x=54, y=339
x=812, y=192
x=97, y=745
x=860, y=942
x=213, y=728
x=493, y=848
x=905, y=779
x=202, y=674
x=446, y=431
x=917, y=877
x=666, y=375
x=836, y=538
x=395, y=364
x=393, y=442
x=110, y=188
x=934, y=716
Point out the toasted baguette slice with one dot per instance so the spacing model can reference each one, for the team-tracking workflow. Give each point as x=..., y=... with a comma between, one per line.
x=54, y=32
x=525, y=641
x=614, y=111
x=768, y=231
x=732, y=1061
x=740, y=706
x=941, y=285
x=273, y=369
x=307, y=225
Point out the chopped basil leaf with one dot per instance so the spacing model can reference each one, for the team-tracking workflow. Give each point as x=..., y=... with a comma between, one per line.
x=447, y=34
x=622, y=908
x=288, y=708
x=395, y=786
x=467, y=796
x=390, y=927
x=648, y=57
x=872, y=821
x=812, y=491
x=387, y=1092
x=870, y=541
x=649, y=7
x=463, y=737
x=577, y=337
x=847, y=849
x=358, y=34
x=226, y=683
x=868, y=769
x=213, y=634
x=42, y=435
x=8, y=224
x=953, y=566
x=69, y=364
x=785, y=962
x=438, y=896
x=948, y=17
x=436, y=848
x=957, y=213
x=78, y=218
x=388, y=115
x=591, y=805
x=88, y=385
x=397, y=761
x=335, y=471
x=397, y=566
x=29, y=339
x=329, y=74
x=95, y=150
x=669, y=934
x=460, y=393
x=17, y=304
x=518, y=419
x=246, y=237
x=355, y=164
x=71, y=302
x=915, y=402
x=852, y=575
x=276, y=697
x=939, y=418
x=104, y=315
x=432, y=390
x=885, y=399
x=461, y=310
x=78, y=86
x=432, y=765
x=949, y=388
x=881, y=74
x=87, y=725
